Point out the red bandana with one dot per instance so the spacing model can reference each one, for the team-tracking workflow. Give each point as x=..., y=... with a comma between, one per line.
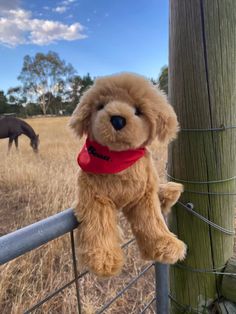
x=98, y=159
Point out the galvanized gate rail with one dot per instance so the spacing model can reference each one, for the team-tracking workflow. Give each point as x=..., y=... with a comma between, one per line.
x=31, y=237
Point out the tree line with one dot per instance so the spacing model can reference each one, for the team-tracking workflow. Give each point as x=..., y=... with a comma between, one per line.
x=49, y=85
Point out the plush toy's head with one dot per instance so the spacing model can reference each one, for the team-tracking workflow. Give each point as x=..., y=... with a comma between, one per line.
x=124, y=111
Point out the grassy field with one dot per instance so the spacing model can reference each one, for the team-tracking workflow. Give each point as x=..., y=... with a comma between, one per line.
x=33, y=187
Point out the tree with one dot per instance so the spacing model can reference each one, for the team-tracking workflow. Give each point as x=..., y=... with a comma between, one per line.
x=78, y=85
x=87, y=81
x=43, y=76
x=163, y=79
x=16, y=97
x=153, y=81
x=3, y=103
x=56, y=103
x=32, y=109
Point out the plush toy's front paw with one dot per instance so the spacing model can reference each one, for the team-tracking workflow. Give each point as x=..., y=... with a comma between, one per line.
x=171, y=250
x=167, y=250
x=106, y=263
x=169, y=194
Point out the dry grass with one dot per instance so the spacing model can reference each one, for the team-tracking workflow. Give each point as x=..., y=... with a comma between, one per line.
x=34, y=187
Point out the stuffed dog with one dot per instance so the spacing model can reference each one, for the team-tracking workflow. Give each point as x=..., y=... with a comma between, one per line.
x=121, y=115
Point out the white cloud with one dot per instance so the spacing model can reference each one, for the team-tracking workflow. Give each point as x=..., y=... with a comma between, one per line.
x=18, y=27
x=61, y=9
x=63, y=6
x=68, y=2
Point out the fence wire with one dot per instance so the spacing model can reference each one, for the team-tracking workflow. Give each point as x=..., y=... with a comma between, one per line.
x=77, y=277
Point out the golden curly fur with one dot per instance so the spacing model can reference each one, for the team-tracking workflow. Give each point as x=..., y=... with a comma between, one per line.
x=136, y=190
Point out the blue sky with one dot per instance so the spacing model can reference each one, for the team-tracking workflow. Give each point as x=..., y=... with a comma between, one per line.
x=96, y=36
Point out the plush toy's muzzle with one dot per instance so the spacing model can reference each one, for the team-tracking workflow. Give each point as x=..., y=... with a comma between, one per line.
x=117, y=126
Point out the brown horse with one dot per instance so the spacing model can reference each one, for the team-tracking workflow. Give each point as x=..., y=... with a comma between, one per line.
x=12, y=128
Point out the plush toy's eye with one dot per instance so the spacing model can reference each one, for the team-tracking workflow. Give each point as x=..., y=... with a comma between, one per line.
x=100, y=107
x=137, y=111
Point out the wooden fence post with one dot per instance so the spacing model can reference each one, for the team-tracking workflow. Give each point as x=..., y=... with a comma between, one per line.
x=202, y=86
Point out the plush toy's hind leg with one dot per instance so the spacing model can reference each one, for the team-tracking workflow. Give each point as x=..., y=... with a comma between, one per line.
x=97, y=236
x=169, y=194
x=154, y=239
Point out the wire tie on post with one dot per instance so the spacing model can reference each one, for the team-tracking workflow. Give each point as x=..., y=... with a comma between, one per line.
x=211, y=193
x=201, y=182
x=214, y=271
x=184, y=308
x=189, y=206
x=221, y=128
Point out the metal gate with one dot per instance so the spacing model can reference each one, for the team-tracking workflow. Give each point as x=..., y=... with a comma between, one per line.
x=31, y=237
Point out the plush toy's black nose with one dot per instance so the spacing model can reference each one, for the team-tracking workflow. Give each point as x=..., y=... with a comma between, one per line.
x=118, y=122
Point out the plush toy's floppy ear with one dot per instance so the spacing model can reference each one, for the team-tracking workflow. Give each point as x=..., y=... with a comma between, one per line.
x=166, y=124
x=79, y=121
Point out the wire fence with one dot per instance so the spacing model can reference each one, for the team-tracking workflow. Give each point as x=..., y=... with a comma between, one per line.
x=31, y=237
